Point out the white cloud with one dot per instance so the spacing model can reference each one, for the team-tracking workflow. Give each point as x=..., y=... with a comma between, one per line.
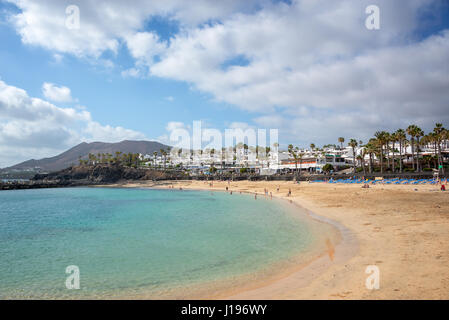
x=104, y=24
x=55, y=93
x=131, y=72
x=105, y=133
x=143, y=46
x=34, y=128
x=173, y=125
x=311, y=68
x=285, y=46
x=315, y=70
x=170, y=127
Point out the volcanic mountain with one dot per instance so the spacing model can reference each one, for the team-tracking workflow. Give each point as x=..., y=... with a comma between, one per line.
x=71, y=156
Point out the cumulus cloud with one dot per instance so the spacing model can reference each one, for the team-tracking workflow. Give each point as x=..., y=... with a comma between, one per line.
x=308, y=67
x=104, y=24
x=144, y=46
x=55, y=93
x=316, y=70
x=32, y=126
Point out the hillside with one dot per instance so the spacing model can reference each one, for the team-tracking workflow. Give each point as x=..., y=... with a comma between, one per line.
x=71, y=156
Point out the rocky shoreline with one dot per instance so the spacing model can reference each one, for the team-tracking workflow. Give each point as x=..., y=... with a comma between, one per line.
x=87, y=175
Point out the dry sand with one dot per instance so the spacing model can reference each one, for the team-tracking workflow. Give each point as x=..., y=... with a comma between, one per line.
x=401, y=229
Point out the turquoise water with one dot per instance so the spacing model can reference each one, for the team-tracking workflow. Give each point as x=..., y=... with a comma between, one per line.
x=131, y=242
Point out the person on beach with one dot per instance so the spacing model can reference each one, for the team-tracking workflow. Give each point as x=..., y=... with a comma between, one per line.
x=277, y=189
x=289, y=192
x=443, y=187
x=271, y=195
x=226, y=188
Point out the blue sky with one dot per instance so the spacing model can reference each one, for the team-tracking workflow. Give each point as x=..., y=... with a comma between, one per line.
x=310, y=69
x=141, y=104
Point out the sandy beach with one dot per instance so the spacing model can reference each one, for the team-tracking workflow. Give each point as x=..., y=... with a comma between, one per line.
x=401, y=229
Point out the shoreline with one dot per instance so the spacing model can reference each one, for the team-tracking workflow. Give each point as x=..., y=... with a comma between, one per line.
x=401, y=229
x=311, y=265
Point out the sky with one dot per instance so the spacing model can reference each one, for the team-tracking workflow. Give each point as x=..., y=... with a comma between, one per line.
x=309, y=68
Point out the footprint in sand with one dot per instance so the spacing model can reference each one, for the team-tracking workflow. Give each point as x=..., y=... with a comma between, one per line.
x=330, y=249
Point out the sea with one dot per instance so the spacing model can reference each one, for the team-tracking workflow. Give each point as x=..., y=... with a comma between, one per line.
x=106, y=243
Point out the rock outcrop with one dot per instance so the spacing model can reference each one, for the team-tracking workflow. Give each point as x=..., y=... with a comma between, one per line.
x=107, y=173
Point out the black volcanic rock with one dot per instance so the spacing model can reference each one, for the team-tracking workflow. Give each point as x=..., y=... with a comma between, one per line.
x=105, y=173
x=71, y=156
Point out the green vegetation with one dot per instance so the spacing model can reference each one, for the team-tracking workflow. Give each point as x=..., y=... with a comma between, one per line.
x=388, y=149
x=243, y=170
x=126, y=159
x=328, y=168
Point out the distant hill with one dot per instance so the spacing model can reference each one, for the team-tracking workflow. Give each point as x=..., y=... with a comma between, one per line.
x=71, y=156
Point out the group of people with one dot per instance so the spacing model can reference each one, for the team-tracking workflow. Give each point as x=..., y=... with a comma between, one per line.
x=266, y=193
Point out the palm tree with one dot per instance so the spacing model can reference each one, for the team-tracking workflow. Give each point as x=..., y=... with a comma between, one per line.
x=381, y=137
x=393, y=151
x=361, y=158
x=117, y=156
x=167, y=156
x=154, y=158
x=440, y=135
x=164, y=154
x=312, y=146
x=388, y=139
x=341, y=140
x=419, y=134
x=223, y=157
x=370, y=149
x=401, y=138
x=412, y=131
x=267, y=155
x=353, y=144
x=294, y=153
x=300, y=156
